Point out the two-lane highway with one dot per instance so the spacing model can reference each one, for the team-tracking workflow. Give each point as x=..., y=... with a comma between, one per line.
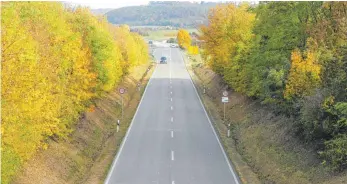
x=171, y=140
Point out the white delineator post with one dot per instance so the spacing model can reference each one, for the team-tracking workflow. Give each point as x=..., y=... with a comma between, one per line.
x=118, y=123
x=225, y=100
x=229, y=130
x=122, y=91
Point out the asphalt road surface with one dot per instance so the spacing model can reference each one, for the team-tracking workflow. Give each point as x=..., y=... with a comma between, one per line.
x=171, y=140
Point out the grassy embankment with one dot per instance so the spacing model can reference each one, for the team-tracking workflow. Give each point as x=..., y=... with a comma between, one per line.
x=88, y=153
x=263, y=146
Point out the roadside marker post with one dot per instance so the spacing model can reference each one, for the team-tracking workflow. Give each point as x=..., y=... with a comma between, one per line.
x=139, y=86
x=118, y=122
x=225, y=99
x=229, y=130
x=122, y=91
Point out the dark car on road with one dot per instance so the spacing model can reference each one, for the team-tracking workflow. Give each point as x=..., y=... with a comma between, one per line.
x=163, y=60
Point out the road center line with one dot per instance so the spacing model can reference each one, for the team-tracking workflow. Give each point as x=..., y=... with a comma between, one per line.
x=171, y=108
x=170, y=63
x=173, y=182
x=172, y=155
x=171, y=119
x=171, y=92
x=172, y=133
x=171, y=99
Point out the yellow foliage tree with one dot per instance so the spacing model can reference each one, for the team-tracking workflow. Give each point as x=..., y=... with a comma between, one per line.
x=193, y=50
x=228, y=33
x=304, y=75
x=133, y=48
x=54, y=61
x=183, y=38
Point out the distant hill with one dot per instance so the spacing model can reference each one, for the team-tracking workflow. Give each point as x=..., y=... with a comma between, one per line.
x=100, y=11
x=159, y=13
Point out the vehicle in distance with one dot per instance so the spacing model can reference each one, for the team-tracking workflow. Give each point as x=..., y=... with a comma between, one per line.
x=163, y=60
x=173, y=45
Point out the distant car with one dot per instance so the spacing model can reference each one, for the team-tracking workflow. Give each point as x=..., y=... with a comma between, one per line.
x=163, y=60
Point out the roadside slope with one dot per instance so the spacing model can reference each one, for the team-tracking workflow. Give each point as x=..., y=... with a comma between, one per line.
x=87, y=154
x=262, y=145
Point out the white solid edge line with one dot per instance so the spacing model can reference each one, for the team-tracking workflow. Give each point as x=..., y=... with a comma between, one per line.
x=126, y=135
x=208, y=118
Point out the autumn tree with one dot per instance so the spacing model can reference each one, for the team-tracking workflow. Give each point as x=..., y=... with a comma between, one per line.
x=304, y=75
x=183, y=38
x=193, y=50
x=54, y=62
x=292, y=58
x=226, y=38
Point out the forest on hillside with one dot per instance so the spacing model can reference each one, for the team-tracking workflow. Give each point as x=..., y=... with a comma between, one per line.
x=55, y=61
x=176, y=14
x=292, y=58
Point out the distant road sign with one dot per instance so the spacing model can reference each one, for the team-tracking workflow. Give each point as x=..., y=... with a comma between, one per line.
x=225, y=93
x=225, y=99
x=121, y=90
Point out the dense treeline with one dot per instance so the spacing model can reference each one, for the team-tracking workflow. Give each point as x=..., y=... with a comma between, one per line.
x=55, y=60
x=292, y=56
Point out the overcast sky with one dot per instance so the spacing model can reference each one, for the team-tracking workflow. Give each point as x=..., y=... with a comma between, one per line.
x=95, y=4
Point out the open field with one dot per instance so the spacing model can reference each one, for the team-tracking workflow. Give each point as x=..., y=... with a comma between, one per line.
x=165, y=34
